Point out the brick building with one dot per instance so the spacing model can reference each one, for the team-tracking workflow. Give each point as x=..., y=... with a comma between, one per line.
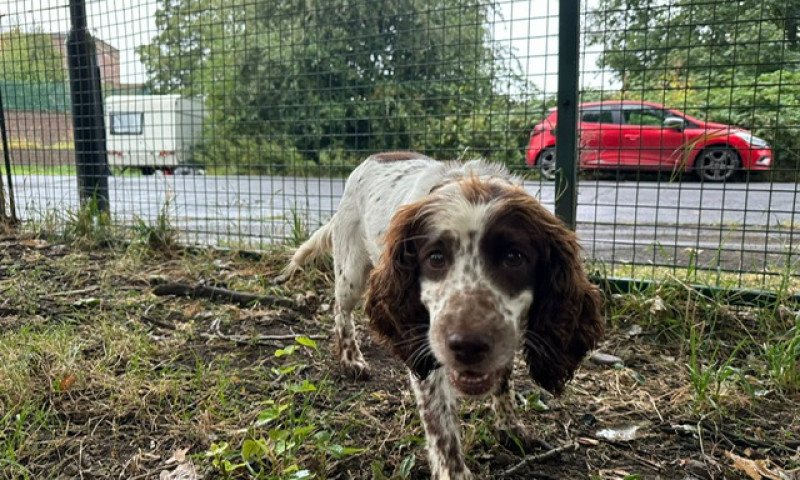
x=42, y=134
x=107, y=58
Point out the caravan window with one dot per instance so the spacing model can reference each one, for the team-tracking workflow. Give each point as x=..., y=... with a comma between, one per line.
x=127, y=123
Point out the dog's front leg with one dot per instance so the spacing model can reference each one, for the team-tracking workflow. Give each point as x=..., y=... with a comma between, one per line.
x=438, y=408
x=508, y=427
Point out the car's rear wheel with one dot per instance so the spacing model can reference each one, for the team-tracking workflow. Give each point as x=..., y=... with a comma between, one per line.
x=547, y=163
x=717, y=164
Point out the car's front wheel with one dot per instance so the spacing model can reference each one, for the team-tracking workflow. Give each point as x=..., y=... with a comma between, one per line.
x=717, y=164
x=547, y=163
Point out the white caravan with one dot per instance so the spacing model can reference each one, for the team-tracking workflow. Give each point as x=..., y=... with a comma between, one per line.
x=152, y=132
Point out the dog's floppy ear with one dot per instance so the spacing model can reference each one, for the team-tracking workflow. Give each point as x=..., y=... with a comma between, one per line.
x=393, y=305
x=565, y=320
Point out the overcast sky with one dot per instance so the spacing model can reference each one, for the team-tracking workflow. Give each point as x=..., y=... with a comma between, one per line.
x=529, y=28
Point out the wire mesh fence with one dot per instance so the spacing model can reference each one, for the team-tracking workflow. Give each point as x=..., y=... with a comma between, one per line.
x=239, y=120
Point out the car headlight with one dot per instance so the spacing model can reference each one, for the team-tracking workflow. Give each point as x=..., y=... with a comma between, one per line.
x=752, y=140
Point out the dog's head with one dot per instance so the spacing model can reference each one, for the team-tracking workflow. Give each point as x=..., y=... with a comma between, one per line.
x=474, y=270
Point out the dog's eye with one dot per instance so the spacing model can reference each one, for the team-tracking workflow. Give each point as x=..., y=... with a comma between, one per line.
x=436, y=259
x=513, y=259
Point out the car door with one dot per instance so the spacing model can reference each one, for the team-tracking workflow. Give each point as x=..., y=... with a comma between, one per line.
x=646, y=142
x=599, y=135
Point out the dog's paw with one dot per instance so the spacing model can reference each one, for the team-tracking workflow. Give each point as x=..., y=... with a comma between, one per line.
x=518, y=437
x=453, y=473
x=357, y=369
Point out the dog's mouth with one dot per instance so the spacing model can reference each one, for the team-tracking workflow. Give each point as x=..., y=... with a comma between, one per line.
x=473, y=383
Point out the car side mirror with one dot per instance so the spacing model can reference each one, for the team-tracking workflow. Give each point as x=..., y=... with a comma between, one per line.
x=675, y=123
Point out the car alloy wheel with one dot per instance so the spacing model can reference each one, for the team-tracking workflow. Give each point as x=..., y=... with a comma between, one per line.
x=547, y=163
x=717, y=164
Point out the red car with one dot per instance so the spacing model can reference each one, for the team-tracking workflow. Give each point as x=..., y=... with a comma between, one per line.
x=630, y=135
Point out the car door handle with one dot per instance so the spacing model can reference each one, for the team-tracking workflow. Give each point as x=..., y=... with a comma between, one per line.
x=631, y=137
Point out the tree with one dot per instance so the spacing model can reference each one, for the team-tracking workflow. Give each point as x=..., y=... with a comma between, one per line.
x=646, y=42
x=30, y=57
x=313, y=78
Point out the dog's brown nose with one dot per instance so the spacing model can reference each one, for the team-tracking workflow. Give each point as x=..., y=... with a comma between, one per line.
x=468, y=349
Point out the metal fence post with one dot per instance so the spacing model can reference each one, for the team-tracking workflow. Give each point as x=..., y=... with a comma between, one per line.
x=566, y=132
x=87, y=111
x=12, y=213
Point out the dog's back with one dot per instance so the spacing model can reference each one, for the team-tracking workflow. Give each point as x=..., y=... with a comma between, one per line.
x=372, y=193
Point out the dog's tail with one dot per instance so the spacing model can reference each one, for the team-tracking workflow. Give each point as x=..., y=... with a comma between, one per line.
x=320, y=243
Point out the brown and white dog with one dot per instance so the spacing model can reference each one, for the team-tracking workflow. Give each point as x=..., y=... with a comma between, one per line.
x=461, y=268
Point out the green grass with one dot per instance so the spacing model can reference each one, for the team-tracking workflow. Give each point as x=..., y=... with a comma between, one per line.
x=777, y=279
x=782, y=354
x=729, y=354
x=27, y=170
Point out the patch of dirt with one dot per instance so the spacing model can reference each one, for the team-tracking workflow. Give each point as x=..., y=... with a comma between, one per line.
x=149, y=376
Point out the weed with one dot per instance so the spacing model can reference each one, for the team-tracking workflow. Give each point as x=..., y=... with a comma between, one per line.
x=298, y=227
x=287, y=428
x=401, y=472
x=783, y=359
x=13, y=439
x=158, y=236
x=710, y=380
x=88, y=226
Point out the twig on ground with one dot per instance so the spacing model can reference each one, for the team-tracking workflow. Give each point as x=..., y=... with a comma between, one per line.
x=221, y=294
x=731, y=437
x=158, y=323
x=216, y=333
x=70, y=293
x=529, y=459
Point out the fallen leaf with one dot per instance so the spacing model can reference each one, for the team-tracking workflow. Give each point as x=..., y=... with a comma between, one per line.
x=179, y=456
x=657, y=305
x=35, y=243
x=67, y=382
x=758, y=469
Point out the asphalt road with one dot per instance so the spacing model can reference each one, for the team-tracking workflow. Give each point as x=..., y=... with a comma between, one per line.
x=740, y=226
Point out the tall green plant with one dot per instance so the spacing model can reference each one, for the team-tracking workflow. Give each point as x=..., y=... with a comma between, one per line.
x=30, y=57
x=319, y=76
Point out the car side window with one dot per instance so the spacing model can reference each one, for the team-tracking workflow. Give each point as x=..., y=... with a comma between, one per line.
x=596, y=116
x=644, y=117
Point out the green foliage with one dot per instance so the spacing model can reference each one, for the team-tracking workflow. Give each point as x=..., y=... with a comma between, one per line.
x=711, y=381
x=249, y=154
x=769, y=105
x=317, y=79
x=783, y=359
x=401, y=472
x=287, y=428
x=30, y=57
x=88, y=226
x=158, y=236
x=646, y=41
